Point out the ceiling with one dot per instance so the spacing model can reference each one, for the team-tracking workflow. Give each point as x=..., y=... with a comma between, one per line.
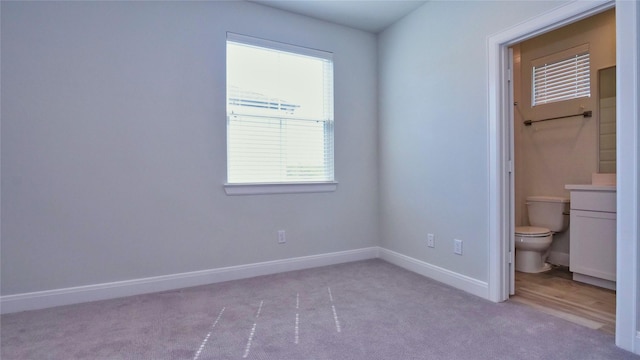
x=368, y=15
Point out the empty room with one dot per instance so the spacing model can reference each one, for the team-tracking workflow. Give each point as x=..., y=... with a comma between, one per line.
x=313, y=180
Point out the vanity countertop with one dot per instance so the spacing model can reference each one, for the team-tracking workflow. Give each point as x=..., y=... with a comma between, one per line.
x=590, y=187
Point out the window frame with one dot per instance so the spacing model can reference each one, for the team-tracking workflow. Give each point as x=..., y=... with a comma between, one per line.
x=284, y=187
x=560, y=56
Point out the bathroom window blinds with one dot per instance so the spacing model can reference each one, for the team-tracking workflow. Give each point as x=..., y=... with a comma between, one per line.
x=279, y=112
x=564, y=79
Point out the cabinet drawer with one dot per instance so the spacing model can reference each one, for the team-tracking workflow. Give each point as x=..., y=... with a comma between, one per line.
x=593, y=200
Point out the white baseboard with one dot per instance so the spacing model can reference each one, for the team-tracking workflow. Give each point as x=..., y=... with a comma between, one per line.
x=74, y=295
x=462, y=282
x=105, y=291
x=558, y=258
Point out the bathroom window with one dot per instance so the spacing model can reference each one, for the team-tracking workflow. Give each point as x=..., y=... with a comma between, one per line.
x=279, y=113
x=562, y=76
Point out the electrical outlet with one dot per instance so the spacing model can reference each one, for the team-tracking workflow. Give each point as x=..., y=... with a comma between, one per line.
x=282, y=237
x=457, y=246
x=431, y=241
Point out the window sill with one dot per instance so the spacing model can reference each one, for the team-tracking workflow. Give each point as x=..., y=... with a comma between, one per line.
x=287, y=188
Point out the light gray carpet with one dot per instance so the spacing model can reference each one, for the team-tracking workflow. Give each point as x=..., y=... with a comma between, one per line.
x=362, y=310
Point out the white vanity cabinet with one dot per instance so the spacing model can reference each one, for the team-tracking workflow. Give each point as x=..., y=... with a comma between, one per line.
x=592, y=238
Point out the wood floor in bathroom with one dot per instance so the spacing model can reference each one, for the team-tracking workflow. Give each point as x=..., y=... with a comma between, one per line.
x=554, y=292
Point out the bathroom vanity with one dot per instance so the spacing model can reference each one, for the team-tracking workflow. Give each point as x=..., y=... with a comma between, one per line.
x=592, y=238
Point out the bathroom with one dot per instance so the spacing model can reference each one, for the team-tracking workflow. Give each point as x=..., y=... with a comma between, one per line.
x=551, y=156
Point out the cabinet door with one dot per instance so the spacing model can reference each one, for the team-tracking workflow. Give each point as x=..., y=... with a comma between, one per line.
x=593, y=244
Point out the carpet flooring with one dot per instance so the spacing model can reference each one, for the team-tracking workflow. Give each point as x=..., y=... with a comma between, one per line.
x=362, y=310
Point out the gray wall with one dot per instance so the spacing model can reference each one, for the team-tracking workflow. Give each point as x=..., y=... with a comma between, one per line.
x=113, y=144
x=434, y=129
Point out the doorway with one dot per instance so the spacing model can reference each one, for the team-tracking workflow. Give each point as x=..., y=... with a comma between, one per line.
x=500, y=159
x=551, y=149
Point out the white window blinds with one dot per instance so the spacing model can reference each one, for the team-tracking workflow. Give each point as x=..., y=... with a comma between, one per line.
x=565, y=79
x=279, y=112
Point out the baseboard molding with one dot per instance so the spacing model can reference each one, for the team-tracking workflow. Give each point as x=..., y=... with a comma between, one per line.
x=558, y=258
x=105, y=291
x=462, y=282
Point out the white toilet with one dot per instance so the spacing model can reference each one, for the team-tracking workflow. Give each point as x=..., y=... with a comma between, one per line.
x=547, y=215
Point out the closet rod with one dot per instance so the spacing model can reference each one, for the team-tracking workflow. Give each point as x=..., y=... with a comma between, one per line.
x=587, y=113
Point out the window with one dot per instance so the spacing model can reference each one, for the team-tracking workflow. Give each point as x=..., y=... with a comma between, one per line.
x=562, y=76
x=279, y=113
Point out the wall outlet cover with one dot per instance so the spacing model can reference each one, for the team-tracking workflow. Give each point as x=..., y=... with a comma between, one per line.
x=431, y=242
x=282, y=237
x=457, y=246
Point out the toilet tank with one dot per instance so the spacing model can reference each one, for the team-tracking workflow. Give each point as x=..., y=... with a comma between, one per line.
x=551, y=212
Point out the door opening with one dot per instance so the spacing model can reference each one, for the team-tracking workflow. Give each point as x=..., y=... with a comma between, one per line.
x=628, y=197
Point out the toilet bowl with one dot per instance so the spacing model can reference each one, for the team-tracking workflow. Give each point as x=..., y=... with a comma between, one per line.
x=532, y=248
x=547, y=216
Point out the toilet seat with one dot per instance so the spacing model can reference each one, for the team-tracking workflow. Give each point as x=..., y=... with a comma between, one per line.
x=532, y=231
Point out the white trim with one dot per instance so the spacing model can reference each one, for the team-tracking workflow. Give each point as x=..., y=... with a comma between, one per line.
x=112, y=290
x=607, y=284
x=628, y=112
x=79, y=294
x=498, y=169
x=458, y=281
x=558, y=258
x=291, y=188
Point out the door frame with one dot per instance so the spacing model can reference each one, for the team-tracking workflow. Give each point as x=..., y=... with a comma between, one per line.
x=500, y=153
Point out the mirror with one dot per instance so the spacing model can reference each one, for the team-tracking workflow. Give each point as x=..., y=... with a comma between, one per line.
x=607, y=120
